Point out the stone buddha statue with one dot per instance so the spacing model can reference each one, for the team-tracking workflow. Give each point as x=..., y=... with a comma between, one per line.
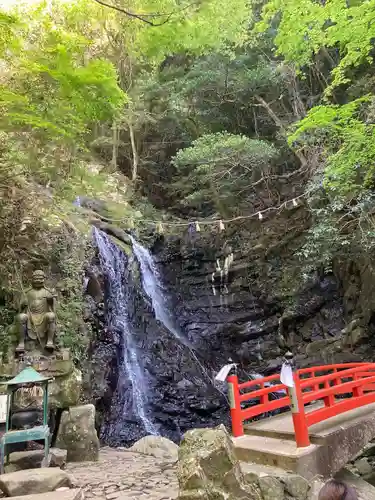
x=37, y=319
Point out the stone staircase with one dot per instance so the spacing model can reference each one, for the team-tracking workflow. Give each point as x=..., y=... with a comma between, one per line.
x=334, y=442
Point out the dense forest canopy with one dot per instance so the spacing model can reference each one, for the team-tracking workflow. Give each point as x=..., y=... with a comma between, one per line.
x=202, y=108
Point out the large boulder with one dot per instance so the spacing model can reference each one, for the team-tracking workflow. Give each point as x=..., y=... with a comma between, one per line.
x=32, y=459
x=33, y=481
x=208, y=468
x=158, y=447
x=76, y=494
x=65, y=390
x=275, y=483
x=77, y=434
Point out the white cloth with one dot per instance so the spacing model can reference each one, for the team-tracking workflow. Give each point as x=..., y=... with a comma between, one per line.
x=286, y=375
x=224, y=372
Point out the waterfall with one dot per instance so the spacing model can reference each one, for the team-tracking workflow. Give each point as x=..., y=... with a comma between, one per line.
x=131, y=400
x=77, y=201
x=153, y=287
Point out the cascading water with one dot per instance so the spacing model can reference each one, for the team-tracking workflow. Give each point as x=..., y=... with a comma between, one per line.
x=156, y=383
x=152, y=285
x=131, y=394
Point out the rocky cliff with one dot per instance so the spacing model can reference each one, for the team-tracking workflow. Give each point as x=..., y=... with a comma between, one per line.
x=264, y=305
x=238, y=295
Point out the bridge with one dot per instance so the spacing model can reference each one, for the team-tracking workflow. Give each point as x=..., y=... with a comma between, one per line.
x=324, y=420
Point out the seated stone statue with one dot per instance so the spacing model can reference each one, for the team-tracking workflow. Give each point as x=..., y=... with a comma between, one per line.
x=37, y=319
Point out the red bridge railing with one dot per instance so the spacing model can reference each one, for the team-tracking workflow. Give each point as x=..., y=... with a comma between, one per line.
x=320, y=383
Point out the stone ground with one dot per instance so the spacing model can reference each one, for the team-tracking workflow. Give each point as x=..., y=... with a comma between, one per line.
x=123, y=475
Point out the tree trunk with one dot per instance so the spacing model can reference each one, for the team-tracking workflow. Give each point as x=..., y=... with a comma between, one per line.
x=114, y=145
x=134, y=152
x=279, y=123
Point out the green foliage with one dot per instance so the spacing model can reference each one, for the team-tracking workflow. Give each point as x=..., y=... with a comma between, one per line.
x=169, y=27
x=61, y=250
x=78, y=77
x=8, y=25
x=63, y=71
x=305, y=27
x=50, y=92
x=68, y=258
x=53, y=93
x=216, y=92
x=348, y=142
x=194, y=28
x=341, y=230
x=218, y=168
x=331, y=44
x=6, y=319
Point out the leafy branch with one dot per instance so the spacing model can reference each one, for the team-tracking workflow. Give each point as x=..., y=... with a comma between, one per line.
x=143, y=17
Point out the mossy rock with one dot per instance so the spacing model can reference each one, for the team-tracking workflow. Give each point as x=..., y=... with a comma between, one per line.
x=77, y=434
x=127, y=249
x=65, y=391
x=208, y=467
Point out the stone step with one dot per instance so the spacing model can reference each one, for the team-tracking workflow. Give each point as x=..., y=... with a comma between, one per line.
x=280, y=453
x=255, y=430
x=76, y=494
x=281, y=426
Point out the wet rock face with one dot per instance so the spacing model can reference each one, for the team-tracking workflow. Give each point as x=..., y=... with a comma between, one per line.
x=177, y=389
x=242, y=320
x=100, y=369
x=180, y=394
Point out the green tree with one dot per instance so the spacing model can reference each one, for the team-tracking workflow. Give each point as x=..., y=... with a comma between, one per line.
x=219, y=171
x=332, y=43
x=143, y=35
x=308, y=28
x=347, y=141
x=157, y=28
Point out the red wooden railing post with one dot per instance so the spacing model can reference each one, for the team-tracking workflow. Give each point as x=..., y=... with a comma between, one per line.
x=298, y=414
x=235, y=406
x=357, y=391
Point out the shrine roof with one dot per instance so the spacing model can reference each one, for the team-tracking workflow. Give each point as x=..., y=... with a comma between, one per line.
x=27, y=376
